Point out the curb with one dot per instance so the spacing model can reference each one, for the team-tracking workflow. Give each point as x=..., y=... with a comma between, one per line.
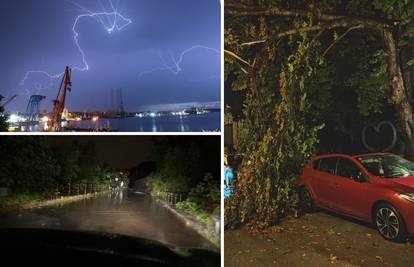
x=201, y=228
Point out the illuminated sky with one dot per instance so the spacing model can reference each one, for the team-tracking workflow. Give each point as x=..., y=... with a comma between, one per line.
x=159, y=52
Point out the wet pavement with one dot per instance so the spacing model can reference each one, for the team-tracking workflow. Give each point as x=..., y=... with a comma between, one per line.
x=121, y=212
x=317, y=239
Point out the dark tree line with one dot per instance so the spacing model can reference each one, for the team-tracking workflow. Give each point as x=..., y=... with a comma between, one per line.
x=183, y=162
x=191, y=166
x=3, y=118
x=33, y=165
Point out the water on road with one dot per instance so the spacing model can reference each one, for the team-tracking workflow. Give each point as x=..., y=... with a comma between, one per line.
x=120, y=212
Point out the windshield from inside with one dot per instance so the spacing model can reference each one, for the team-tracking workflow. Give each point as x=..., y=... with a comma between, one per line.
x=387, y=166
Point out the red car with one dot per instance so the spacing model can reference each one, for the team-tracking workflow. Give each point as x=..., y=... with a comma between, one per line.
x=375, y=188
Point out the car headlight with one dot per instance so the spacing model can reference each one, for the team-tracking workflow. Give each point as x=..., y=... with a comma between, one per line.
x=407, y=196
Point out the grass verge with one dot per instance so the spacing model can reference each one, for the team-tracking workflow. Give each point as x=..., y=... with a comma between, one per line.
x=29, y=201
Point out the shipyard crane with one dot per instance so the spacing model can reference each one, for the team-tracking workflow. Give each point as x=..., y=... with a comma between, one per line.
x=2, y=106
x=59, y=103
x=33, y=108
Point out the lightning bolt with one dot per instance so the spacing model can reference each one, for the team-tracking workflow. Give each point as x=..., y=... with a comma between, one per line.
x=111, y=22
x=176, y=68
x=115, y=26
x=117, y=22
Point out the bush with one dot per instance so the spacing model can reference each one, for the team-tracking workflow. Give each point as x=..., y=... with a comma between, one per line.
x=3, y=122
x=18, y=200
x=195, y=210
x=206, y=194
x=203, y=200
x=31, y=164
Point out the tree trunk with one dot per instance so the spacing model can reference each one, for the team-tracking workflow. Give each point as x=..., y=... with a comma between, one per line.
x=406, y=55
x=400, y=99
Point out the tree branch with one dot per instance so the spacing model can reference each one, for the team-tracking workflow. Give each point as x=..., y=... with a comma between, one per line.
x=253, y=43
x=342, y=23
x=339, y=38
x=234, y=57
x=236, y=9
x=245, y=10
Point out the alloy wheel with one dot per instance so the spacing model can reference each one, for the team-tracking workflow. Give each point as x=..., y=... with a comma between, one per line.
x=306, y=200
x=388, y=223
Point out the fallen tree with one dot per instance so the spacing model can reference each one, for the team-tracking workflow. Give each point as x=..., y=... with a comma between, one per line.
x=278, y=53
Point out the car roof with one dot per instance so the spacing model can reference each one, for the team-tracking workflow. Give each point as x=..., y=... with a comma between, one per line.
x=349, y=156
x=371, y=154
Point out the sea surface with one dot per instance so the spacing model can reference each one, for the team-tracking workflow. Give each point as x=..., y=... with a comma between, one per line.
x=191, y=123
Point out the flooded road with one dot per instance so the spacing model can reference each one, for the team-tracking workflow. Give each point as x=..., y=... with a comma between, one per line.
x=121, y=212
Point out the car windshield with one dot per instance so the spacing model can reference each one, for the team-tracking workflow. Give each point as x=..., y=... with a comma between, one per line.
x=63, y=183
x=387, y=166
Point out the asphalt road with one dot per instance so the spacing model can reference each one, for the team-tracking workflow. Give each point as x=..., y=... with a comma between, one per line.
x=317, y=239
x=119, y=212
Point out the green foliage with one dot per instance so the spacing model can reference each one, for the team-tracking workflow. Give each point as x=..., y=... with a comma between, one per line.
x=180, y=169
x=3, y=122
x=19, y=200
x=30, y=164
x=67, y=157
x=87, y=163
x=204, y=199
x=180, y=166
x=279, y=136
x=403, y=12
x=27, y=164
x=371, y=83
x=207, y=194
x=195, y=210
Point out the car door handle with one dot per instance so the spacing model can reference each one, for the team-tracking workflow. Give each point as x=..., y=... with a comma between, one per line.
x=336, y=185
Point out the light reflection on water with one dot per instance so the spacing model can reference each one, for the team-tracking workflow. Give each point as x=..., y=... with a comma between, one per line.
x=193, y=123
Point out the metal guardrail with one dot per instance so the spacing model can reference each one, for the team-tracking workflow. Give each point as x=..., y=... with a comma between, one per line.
x=171, y=197
x=78, y=189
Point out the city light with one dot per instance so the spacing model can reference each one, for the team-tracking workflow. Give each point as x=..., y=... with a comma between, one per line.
x=14, y=118
x=11, y=129
x=44, y=119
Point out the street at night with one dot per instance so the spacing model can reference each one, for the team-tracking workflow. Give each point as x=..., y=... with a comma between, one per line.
x=121, y=212
x=111, y=200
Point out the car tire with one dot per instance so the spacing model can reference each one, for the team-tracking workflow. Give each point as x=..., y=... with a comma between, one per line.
x=389, y=222
x=306, y=200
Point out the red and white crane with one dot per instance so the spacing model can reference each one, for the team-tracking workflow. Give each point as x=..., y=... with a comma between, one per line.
x=59, y=103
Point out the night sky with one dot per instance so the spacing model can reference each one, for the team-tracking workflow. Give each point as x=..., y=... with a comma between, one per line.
x=37, y=35
x=122, y=152
x=126, y=152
